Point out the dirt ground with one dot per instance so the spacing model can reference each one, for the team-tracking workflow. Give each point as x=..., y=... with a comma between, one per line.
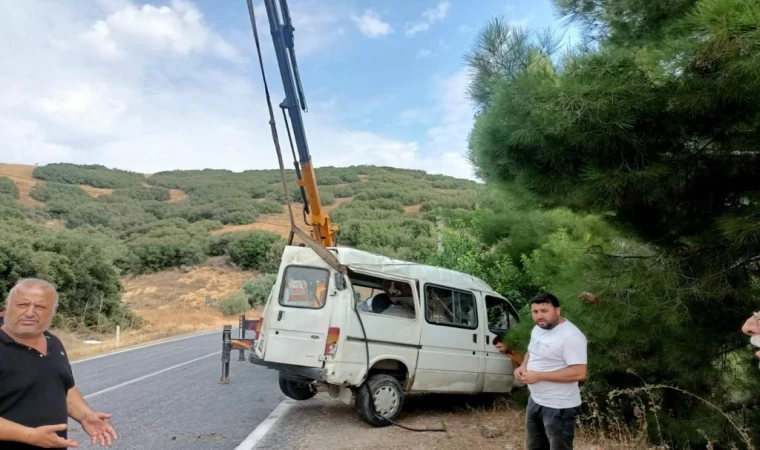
x=484, y=423
x=278, y=223
x=21, y=174
x=172, y=302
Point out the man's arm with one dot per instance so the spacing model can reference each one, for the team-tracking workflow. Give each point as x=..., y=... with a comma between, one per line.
x=95, y=424
x=524, y=364
x=569, y=374
x=77, y=405
x=11, y=431
x=44, y=437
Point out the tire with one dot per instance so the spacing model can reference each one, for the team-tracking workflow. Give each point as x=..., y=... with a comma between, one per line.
x=297, y=390
x=388, y=404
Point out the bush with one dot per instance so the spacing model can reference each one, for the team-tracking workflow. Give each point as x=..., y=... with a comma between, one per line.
x=46, y=192
x=273, y=258
x=343, y=192
x=250, y=250
x=257, y=290
x=81, y=268
x=92, y=175
x=326, y=198
x=217, y=244
x=229, y=211
x=176, y=249
x=269, y=207
x=233, y=304
x=143, y=193
x=8, y=188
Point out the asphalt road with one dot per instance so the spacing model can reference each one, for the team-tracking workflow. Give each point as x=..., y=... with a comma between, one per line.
x=168, y=396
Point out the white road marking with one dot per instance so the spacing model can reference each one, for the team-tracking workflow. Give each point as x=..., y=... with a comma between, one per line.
x=258, y=434
x=137, y=347
x=127, y=383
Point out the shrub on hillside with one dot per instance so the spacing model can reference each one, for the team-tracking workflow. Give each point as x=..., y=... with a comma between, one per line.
x=269, y=207
x=326, y=198
x=163, y=210
x=257, y=290
x=249, y=250
x=47, y=192
x=81, y=268
x=229, y=211
x=177, y=248
x=272, y=259
x=343, y=192
x=143, y=193
x=8, y=188
x=217, y=244
x=233, y=304
x=203, y=227
x=92, y=175
x=118, y=213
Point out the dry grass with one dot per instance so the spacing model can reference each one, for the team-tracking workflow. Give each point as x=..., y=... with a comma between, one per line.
x=363, y=178
x=171, y=302
x=278, y=223
x=96, y=192
x=55, y=224
x=412, y=209
x=176, y=196
x=21, y=174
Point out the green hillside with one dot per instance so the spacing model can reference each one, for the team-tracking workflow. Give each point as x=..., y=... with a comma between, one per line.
x=134, y=226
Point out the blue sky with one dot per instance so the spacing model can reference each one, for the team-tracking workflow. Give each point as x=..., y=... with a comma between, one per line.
x=162, y=85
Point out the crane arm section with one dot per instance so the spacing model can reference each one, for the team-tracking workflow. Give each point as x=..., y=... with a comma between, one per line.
x=282, y=36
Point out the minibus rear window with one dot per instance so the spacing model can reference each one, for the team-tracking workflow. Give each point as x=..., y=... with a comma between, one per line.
x=304, y=287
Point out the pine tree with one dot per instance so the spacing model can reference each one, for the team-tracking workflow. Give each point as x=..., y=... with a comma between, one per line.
x=654, y=122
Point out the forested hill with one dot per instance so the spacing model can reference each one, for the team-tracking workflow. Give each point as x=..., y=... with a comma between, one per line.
x=85, y=226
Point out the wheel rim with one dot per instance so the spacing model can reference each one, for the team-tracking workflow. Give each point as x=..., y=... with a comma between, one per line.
x=386, y=401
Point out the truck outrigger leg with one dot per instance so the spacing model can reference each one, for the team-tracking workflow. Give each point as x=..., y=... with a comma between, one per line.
x=241, y=344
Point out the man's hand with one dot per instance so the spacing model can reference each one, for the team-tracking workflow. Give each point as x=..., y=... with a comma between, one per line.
x=46, y=437
x=520, y=373
x=97, y=427
x=531, y=377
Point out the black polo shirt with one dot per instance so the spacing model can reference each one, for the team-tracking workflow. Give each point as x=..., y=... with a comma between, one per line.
x=33, y=386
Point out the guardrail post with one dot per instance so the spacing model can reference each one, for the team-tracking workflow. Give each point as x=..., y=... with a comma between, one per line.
x=226, y=350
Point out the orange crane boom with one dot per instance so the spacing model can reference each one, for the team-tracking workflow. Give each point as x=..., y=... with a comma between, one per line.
x=281, y=27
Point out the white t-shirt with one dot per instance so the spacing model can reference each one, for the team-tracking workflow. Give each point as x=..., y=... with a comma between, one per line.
x=551, y=350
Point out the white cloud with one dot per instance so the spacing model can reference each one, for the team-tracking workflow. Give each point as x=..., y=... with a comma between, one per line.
x=178, y=28
x=449, y=137
x=371, y=25
x=429, y=18
x=465, y=29
x=150, y=88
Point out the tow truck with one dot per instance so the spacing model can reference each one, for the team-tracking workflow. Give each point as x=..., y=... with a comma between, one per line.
x=356, y=324
x=322, y=233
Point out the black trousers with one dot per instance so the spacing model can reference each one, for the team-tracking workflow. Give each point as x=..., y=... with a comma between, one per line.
x=550, y=428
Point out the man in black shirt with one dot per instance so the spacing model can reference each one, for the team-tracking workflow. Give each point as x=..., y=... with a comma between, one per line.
x=37, y=389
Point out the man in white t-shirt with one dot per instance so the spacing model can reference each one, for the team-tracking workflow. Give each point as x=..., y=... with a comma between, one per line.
x=555, y=363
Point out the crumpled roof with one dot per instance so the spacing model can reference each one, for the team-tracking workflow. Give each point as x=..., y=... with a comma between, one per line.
x=372, y=262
